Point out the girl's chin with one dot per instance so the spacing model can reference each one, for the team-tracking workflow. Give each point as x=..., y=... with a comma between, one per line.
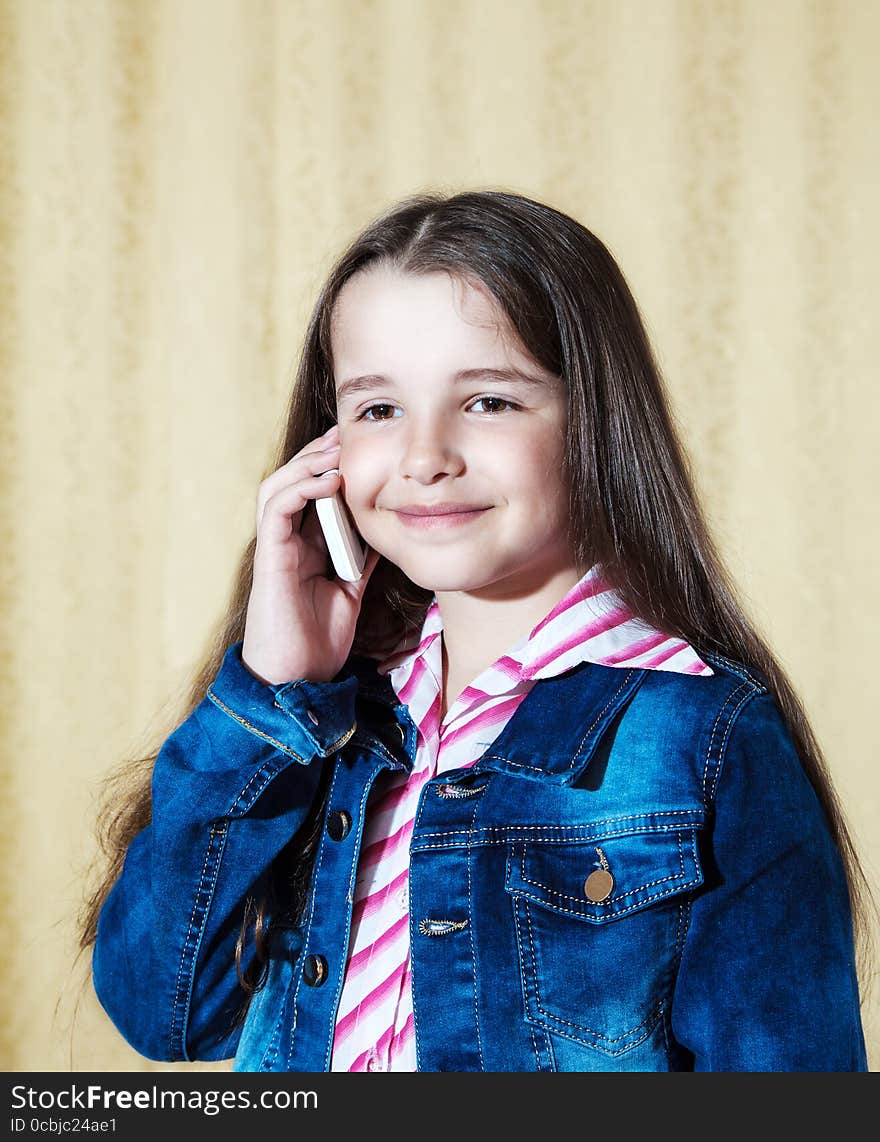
x=434, y=578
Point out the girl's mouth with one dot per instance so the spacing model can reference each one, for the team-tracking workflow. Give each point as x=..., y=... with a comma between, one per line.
x=439, y=520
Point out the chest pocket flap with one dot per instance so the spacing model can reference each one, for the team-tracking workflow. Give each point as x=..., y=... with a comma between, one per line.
x=608, y=877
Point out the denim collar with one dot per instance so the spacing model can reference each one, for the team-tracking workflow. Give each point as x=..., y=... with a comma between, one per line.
x=553, y=732
x=556, y=728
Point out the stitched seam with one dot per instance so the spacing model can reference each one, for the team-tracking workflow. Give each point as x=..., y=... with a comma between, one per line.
x=611, y=915
x=308, y=931
x=562, y=841
x=600, y=715
x=581, y=829
x=374, y=746
x=504, y=834
x=727, y=702
x=248, y=796
x=412, y=974
x=340, y=742
x=548, y=1044
x=188, y=958
x=474, y=950
x=684, y=923
x=527, y=978
x=534, y=959
x=252, y=728
x=420, y=804
x=723, y=747
x=733, y=667
x=738, y=669
x=516, y=906
x=532, y=1029
x=639, y=888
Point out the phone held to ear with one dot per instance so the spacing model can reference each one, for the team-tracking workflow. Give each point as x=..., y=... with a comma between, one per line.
x=347, y=550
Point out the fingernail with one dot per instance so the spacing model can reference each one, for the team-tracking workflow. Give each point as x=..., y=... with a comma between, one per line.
x=331, y=472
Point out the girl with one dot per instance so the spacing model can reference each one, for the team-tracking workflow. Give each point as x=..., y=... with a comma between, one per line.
x=532, y=794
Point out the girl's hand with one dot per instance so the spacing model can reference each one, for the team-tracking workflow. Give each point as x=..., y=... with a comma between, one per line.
x=299, y=623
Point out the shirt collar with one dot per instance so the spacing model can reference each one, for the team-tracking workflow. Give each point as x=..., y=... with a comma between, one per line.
x=590, y=624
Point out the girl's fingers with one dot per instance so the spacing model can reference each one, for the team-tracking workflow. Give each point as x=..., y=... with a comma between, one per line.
x=315, y=448
x=301, y=467
x=275, y=520
x=329, y=442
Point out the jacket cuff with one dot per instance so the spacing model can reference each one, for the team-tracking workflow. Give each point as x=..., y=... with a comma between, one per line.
x=304, y=719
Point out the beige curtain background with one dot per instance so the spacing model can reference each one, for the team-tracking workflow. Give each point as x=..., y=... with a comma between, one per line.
x=177, y=176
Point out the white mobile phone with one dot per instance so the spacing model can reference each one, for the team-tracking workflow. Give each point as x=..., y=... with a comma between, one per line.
x=346, y=547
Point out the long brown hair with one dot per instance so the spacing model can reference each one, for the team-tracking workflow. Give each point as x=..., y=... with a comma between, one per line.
x=633, y=507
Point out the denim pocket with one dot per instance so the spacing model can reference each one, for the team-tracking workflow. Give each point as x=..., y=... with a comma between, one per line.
x=599, y=925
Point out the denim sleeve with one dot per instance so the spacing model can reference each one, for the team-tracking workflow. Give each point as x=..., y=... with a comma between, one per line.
x=230, y=787
x=767, y=980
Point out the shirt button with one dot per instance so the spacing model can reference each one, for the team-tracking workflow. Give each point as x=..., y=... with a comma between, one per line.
x=313, y=717
x=314, y=970
x=338, y=825
x=373, y=1063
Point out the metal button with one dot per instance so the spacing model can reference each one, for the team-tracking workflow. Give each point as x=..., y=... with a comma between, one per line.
x=338, y=824
x=313, y=717
x=393, y=734
x=314, y=970
x=598, y=885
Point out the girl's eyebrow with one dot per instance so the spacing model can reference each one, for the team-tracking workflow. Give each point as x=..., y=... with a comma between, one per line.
x=371, y=381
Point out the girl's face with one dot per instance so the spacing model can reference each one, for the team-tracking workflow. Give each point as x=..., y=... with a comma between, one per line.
x=430, y=417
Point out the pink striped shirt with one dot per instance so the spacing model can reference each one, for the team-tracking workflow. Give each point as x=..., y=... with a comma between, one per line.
x=374, y=1023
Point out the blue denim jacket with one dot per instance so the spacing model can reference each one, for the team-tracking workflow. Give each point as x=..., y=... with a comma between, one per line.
x=724, y=942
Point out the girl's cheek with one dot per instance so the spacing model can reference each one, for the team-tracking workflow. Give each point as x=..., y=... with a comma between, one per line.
x=356, y=470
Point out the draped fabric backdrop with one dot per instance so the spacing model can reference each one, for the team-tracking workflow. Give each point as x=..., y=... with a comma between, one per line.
x=176, y=177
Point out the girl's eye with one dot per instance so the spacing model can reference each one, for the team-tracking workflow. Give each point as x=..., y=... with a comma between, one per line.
x=496, y=400
x=372, y=408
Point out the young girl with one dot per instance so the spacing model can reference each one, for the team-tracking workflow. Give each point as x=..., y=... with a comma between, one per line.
x=532, y=794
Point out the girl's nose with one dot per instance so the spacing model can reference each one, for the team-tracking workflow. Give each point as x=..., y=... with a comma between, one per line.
x=429, y=453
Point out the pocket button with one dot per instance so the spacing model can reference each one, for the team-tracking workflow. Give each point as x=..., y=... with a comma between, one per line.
x=598, y=885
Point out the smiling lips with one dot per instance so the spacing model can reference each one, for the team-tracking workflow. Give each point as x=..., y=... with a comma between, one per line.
x=438, y=515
